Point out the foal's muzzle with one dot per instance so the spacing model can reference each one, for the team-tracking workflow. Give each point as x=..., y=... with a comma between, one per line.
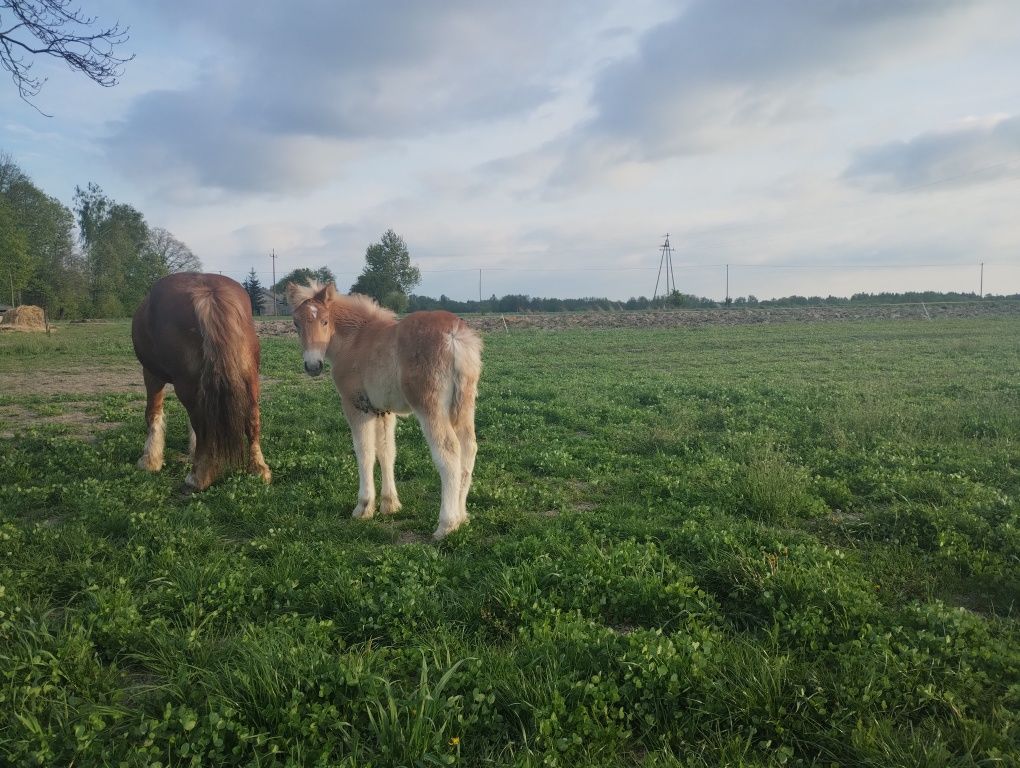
x=313, y=362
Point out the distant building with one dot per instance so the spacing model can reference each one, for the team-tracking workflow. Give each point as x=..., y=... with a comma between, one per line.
x=282, y=308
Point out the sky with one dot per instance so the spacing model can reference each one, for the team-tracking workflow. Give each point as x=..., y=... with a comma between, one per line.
x=816, y=146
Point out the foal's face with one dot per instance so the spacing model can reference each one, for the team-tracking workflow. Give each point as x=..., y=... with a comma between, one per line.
x=314, y=326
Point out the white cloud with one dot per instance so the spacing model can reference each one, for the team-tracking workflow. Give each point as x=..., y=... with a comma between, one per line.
x=728, y=73
x=296, y=89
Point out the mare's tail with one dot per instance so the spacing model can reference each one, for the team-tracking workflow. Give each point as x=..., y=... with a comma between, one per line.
x=225, y=397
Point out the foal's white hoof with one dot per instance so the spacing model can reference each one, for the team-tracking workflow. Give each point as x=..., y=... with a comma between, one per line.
x=443, y=531
x=363, y=511
x=390, y=506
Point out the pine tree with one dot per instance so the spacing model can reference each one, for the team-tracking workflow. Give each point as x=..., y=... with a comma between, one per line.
x=255, y=291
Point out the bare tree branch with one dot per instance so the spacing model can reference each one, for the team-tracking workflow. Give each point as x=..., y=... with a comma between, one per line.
x=59, y=29
x=170, y=253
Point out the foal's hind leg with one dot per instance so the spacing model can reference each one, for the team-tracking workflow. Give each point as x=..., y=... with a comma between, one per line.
x=468, y=450
x=152, y=456
x=386, y=446
x=445, y=448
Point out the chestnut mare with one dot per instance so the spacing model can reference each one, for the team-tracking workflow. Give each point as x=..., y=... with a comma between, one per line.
x=196, y=332
x=428, y=363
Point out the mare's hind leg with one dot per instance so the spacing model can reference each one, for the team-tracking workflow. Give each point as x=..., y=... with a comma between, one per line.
x=203, y=468
x=256, y=462
x=152, y=456
x=445, y=448
x=386, y=445
x=363, y=432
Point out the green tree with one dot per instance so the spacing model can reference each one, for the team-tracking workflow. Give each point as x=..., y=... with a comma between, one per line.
x=388, y=276
x=39, y=251
x=304, y=276
x=15, y=262
x=120, y=267
x=255, y=291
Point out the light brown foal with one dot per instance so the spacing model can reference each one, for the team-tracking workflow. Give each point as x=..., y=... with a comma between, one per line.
x=428, y=364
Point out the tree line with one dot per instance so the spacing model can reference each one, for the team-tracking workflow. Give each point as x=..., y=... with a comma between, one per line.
x=97, y=260
x=677, y=300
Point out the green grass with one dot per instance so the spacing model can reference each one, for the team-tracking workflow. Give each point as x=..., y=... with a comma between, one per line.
x=785, y=545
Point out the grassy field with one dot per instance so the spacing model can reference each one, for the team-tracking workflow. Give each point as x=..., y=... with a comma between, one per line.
x=770, y=545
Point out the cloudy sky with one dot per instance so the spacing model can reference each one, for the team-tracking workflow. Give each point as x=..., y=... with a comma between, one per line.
x=818, y=146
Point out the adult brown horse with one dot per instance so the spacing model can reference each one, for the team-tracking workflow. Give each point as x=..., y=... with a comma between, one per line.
x=196, y=332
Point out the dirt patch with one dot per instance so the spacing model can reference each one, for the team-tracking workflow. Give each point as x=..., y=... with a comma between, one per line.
x=86, y=381
x=406, y=536
x=91, y=381
x=81, y=419
x=694, y=318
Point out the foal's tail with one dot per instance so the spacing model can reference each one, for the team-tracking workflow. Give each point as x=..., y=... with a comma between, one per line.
x=225, y=396
x=467, y=369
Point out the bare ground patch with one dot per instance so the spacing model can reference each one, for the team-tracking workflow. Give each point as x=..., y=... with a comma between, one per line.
x=84, y=381
x=81, y=419
x=407, y=536
x=75, y=381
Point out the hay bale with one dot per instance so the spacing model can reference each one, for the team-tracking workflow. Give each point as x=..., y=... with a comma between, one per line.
x=25, y=318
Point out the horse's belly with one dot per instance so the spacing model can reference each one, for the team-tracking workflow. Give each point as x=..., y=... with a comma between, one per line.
x=387, y=399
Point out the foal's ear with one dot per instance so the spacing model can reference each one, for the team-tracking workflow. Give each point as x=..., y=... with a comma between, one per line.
x=328, y=293
x=297, y=294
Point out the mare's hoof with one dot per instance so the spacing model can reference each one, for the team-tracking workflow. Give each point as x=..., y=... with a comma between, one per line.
x=149, y=466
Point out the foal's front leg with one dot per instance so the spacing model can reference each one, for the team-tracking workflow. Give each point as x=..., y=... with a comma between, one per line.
x=363, y=432
x=386, y=445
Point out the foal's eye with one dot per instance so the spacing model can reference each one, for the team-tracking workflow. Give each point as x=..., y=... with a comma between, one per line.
x=323, y=322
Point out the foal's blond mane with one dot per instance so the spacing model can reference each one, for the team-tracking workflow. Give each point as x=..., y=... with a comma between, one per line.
x=351, y=310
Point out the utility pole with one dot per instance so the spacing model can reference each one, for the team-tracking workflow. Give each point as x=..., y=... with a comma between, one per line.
x=479, y=290
x=665, y=261
x=981, y=290
x=272, y=288
x=727, y=284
